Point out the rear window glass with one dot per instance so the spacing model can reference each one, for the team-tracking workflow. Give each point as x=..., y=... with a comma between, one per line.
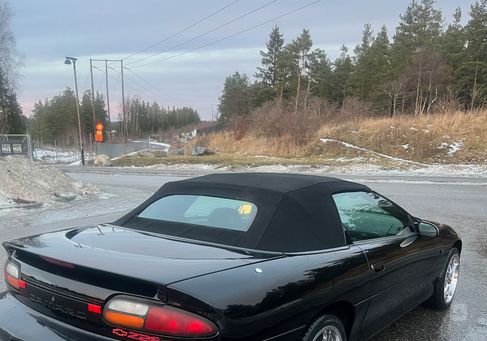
x=202, y=210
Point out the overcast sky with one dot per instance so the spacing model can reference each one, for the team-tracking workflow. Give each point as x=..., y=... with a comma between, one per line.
x=48, y=30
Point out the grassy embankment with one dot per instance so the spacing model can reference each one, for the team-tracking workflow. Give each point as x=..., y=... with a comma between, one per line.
x=451, y=138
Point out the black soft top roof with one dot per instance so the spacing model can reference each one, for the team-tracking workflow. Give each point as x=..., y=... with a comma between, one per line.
x=295, y=212
x=277, y=182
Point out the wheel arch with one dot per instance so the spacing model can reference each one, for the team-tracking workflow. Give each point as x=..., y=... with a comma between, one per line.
x=344, y=310
x=458, y=246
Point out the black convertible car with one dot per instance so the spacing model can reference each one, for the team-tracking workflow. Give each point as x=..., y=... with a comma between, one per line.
x=232, y=257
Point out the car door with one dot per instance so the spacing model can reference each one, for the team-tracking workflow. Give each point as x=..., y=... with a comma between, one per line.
x=401, y=262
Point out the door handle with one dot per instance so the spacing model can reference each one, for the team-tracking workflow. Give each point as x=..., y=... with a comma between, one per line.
x=378, y=267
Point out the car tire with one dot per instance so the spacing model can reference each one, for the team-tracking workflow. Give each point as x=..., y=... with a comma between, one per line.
x=446, y=283
x=326, y=324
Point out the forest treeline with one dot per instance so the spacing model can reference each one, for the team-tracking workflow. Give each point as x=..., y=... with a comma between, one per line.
x=426, y=65
x=11, y=118
x=55, y=119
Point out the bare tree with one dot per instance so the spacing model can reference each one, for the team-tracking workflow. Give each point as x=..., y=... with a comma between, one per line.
x=9, y=60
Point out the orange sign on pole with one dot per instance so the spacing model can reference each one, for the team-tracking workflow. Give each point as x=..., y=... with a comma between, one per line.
x=99, y=132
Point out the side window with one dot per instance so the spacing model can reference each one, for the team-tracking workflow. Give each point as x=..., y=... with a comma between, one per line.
x=366, y=215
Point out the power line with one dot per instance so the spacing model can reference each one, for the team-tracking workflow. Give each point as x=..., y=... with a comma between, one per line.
x=205, y=33
x=156, y=89
x=100, y=78
x=137, y=95
x=149, y=92
x=229, y=36
x=183, y=30
x=146, y=92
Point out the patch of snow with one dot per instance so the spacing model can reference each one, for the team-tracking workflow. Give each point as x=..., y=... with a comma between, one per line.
x=4, y=201
x=349, y=145
x=364, y=168
x=356, y=165
x=160, y=144
x=165, y=146
x=452, y=148
x=413, y=129
x=455, y=147
x=443, y=145
x=105, y=196
x=405, y=146
x=51, y=155
x=26, y=180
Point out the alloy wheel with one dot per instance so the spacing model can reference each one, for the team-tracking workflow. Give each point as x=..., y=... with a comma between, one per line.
x=451, y=278
x=328, y=333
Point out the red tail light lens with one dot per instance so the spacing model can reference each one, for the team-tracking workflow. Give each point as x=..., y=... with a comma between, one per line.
x=12, y=276
x=158, y=319
x=173, y=321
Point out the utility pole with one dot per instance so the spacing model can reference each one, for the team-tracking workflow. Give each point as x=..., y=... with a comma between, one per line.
x=108, y=98
x=93, y=96
x=124, y=121
x=72, y=61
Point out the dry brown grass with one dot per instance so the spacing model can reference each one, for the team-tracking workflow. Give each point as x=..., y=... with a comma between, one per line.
x=284, y=146
x=424, y=137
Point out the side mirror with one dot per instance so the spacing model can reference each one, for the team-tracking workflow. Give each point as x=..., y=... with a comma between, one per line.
x=428, y=230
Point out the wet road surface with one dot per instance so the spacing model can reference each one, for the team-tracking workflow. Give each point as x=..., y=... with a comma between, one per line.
x=459, y=202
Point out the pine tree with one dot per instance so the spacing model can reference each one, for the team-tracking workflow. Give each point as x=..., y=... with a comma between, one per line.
x=420, y=27
x=452, y=47
x=320, y=74
x=363, y=64
x=269, y=73
x=234, y=101
x=380, y=74
x=12, y=121
x=299, y=52
x=416, y=46
x=341, y=78
x=473, y=78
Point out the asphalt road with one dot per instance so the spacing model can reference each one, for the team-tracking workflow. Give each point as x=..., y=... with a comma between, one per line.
x=460, y=202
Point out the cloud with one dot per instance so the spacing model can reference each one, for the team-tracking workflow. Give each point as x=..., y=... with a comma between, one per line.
x=47, y=31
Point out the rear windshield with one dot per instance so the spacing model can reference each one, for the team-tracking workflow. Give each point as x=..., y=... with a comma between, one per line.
x=216, y=212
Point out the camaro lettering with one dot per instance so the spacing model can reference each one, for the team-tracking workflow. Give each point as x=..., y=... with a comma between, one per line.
x=55, y=307
x=133, y=335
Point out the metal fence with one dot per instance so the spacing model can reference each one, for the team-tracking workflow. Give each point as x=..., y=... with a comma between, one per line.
x=55, y=152
x=119, y=149
x=16, y=144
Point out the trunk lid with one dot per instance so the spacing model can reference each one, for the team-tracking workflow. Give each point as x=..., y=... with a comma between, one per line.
x=67, y=272
x=128, y=253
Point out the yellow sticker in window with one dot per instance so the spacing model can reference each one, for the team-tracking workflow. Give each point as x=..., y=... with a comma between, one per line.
x=245, y=209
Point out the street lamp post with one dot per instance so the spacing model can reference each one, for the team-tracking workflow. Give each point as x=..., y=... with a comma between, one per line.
x=68, y=61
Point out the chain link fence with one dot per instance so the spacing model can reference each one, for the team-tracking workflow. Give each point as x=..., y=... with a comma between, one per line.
x=16, y=144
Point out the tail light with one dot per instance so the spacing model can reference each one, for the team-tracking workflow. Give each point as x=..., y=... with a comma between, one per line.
x=158, y=319
x=12, y=276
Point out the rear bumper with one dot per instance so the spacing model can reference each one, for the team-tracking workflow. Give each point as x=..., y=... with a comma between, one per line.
x=19, y=322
